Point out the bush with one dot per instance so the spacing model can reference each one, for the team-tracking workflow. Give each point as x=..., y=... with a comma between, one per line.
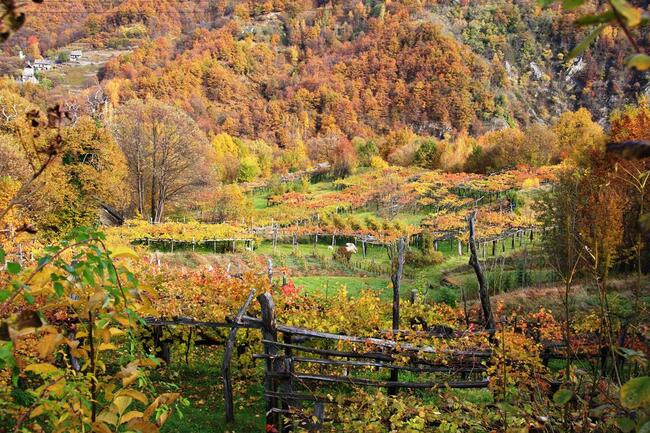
x=378, y=163
x=63, y=57
x=249, y=169
x=428, y=155
x=366, y=150
x=417, y=258
x=446, y=295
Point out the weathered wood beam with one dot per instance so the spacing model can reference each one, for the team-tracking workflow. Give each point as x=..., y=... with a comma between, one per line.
x=227, y=355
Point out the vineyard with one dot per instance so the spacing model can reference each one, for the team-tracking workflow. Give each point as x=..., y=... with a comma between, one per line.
x=321, y=350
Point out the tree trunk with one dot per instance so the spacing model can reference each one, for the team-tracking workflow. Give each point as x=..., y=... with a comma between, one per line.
x=482, y=283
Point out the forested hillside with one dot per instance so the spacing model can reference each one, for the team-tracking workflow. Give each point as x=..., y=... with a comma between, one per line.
x=345, y=67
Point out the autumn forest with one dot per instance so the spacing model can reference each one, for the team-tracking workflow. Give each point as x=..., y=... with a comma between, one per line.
x=387, y=216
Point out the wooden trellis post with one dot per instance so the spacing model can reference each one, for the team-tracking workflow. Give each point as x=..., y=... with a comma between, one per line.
x=227, y=355
x=460, y=248
x=269, y=336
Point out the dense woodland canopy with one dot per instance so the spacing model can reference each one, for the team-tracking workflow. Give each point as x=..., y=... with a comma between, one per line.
x=345, y=157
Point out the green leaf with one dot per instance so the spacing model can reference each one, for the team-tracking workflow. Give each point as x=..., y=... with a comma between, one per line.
x=631, y=14
x=636, y=392
x=588, y=20
x=545, y=3
x=13, y=268
x=578, y=49
x=625, y=424
x=639, y=61
x=58, y=289
x=28, y=297
x=572, y=4
x=562, y=396
x=2, y=256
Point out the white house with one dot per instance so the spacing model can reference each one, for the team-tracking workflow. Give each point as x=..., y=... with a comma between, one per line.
x=75, y=55
x=28, y=75
x=43, y=65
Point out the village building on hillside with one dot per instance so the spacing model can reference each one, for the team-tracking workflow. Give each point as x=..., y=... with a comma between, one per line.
x=75, y=55
x=43, y=65
x=28, y=75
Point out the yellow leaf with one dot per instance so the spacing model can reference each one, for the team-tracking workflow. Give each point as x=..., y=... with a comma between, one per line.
x=130, y=415
x=108, y=390
x=56, y=389
x=41, y=368
x=115, y=332
x=100, y=427
x=121, y=402
x=106, y=346
x=168, y=397
x=143, y=426
x=124, y=252
x=48, y=343
x=124, y=321
x=38, y=410
x=136, y=395
x=148, y=362
x=128, y=380
x=107, y=417
x=96, y=300
x=40, y=280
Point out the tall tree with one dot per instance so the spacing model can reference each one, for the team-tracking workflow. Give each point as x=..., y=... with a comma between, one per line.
x=166, y=153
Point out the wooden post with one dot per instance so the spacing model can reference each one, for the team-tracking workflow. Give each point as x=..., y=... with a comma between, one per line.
x=482, y=283
x=269, y=333
x=413, y=296
x=396, y=278
x=435, y=245
x=494, y=247
x=193, y=244
x=172, y=245
x=227, y=355
x=270, y=270
x=460, y=248
x=319, y=415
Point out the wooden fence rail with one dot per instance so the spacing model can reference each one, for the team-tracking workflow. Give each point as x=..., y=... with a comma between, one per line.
x=291, y=365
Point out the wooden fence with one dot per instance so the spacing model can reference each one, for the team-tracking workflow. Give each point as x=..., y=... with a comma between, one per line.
x=294, y=367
